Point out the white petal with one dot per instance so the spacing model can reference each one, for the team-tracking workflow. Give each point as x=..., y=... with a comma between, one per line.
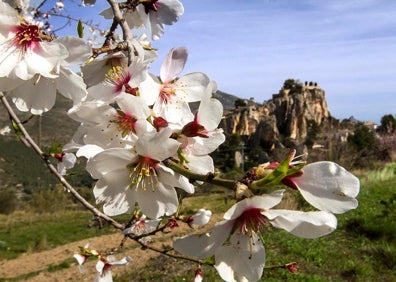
x=133, y=105
x=329, y=187
x=242, y=260
x=149, y=89
x=80, y=259
x=200, y=164
x=9, y=59
x=109, y=160
x=303, y=224
x=122, y=262
x=114, y=191
x=8, y=17
x=157, y=28
x=95, y=72
x=173, y=64
x=88, y=151
x=192, y=87
x=169, y=177
x=106, y=277
x=169, y=11
x=202, y=217
x=92, y=113
x=203, y=245
x=263, y=202
x=71, y=85
x=79, y=51
x=157, y=201
x=210, y=113
x=44, y=62
x=204, y=146
x=35, y=97
x=158, y=146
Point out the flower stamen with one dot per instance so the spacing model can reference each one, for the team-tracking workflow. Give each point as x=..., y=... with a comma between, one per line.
x=143, y=173
x=26, y=36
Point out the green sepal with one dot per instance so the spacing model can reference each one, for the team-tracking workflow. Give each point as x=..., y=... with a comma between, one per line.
x=182, y=157
x=281, y=171
x=55, y=148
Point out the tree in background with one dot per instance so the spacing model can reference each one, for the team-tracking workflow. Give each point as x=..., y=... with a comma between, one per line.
x=388, y=124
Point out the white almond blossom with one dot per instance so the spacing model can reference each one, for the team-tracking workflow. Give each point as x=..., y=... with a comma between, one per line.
x=234, y=242
x=200, y=218
x=138, y=176
x=65, y=161
x=202, y=136
x=119, y=79
x=23, y=53
x=104, y=265
x=108, y=127
x=38, y=95
x=171, y=93
x=151, y=14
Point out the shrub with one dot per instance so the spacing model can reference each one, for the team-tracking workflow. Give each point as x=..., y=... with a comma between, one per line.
x=8, y=201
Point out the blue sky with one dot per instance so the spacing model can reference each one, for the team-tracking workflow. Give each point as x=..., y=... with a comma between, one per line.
x=250, y=47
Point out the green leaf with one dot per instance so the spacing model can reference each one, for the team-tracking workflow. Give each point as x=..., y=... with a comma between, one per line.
x=16, y=128
x=80, y=29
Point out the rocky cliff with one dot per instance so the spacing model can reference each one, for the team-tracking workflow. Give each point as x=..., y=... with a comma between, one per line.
x=292, y=114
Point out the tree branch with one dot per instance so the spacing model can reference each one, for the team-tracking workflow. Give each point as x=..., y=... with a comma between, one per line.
x=27, y=139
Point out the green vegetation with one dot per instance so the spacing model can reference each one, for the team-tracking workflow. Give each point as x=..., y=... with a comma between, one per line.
x=361, y=249
x=294, y=85
x=388, y=124
x=24, y=232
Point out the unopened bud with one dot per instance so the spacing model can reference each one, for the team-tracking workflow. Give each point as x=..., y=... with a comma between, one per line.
x=292, y=267
x=263, y=170
x=198, y=275
x=242, y=191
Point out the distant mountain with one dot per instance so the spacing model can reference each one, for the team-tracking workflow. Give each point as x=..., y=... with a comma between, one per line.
x=226, y=99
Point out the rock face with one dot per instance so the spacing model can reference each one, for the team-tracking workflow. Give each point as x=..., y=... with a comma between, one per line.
x=288, y=115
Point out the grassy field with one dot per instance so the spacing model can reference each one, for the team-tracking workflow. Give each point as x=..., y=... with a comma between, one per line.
x=363, y=248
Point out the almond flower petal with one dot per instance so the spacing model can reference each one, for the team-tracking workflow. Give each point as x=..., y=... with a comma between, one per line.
x=328, y=187
x=173, y=64
x=303, y=224
x=242, y=260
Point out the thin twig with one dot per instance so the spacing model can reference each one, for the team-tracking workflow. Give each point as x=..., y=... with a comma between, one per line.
x=28, y=139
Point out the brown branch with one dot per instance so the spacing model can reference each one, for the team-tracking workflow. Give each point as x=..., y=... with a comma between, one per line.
x=126, y=31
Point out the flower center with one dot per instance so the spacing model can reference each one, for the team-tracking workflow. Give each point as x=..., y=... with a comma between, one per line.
x=166, y=92
x=26, y=36
x=119, y=80
x=125, y=123
x=143, y=174
x=251, y=221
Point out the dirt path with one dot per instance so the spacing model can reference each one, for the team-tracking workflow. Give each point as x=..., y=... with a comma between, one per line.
x=35, y=267
x=38, y=263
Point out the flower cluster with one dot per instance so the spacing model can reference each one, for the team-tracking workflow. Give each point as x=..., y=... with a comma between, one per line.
x=236, y=244
x=144, y=142
x=103, y=265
